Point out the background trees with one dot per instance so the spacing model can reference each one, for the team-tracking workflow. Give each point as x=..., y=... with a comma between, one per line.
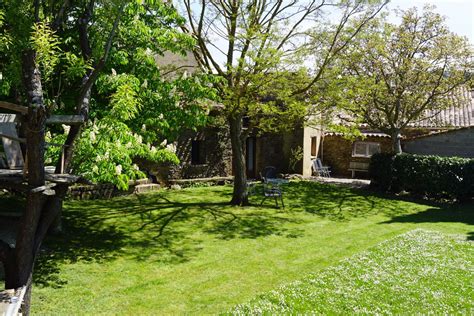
x=395, y=73
x=270, y=55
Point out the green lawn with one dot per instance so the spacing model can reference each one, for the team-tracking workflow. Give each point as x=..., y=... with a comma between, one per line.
x=187, y=251
x=419, y=272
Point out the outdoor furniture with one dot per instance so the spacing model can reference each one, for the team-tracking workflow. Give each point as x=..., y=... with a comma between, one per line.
x=251, y=186
x=319, y=169
x=272, y=189
x=358, y=166
x=268, y=172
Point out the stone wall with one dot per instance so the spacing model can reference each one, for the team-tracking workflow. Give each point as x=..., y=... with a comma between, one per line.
x=336, y=152
x=105, y=190
x=216, y=154
x=458, y=143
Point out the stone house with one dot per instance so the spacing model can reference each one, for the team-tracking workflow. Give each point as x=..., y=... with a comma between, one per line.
x=446, y=133
x=207, y=153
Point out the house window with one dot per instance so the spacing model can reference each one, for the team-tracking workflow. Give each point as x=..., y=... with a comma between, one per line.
x=314, y=142
x=365, y=149
x=197, y=152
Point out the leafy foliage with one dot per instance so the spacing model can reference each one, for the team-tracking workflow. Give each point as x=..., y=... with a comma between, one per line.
x=46, y=44
x=399, y=74
x=136, y=103
x=431, y=176
x=380, y=170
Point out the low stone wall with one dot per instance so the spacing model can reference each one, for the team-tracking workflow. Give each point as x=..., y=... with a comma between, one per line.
x=103, y=191
x=107, y=191
x=185, y=183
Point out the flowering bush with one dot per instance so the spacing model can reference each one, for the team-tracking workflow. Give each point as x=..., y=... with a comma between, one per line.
x=106, y=150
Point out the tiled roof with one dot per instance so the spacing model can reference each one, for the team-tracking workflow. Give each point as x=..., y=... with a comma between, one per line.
x=457, y=116
x=366, y=134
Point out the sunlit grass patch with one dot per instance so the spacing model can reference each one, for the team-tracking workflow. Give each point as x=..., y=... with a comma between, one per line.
x=417, y=272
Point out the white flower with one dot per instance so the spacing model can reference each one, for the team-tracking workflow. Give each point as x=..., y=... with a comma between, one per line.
x=95, y=169
x=172, y=92
x=128, y=145
x=98, y=158
x=153, y=149
x=135, y=167
x=92, y=136
x=107, y=155
x=185, y=75
x=48, y=135
x=143, y=127
x=161, y=116
x=118, y=169
x=138, y=138
x=171, y=147
x=66, y=128
x=163, y=143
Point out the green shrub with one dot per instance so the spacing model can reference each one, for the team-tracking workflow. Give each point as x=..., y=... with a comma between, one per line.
x=380, y=170
x=430, y=176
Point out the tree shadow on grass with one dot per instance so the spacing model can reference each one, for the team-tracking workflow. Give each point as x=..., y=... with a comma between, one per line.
x=338, y=203
x=442, y=214
x=153, y=227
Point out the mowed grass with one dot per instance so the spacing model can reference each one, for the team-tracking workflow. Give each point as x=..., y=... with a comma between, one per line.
x=188, y=251
x=419, y=272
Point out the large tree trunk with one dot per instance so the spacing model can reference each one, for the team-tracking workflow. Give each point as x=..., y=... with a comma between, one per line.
x=240, y=195
x=25, y=250
x=396, y=142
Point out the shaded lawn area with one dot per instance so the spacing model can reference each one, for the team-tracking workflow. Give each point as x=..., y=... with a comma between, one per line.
x=419, y=272
x=188, y=251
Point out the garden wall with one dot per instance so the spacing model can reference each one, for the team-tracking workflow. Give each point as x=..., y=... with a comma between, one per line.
x=459, y=143
x=336, y=152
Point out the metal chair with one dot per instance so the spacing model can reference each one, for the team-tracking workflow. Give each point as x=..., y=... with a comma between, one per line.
x=268, y=172
x=272, y=190
x=319, y=169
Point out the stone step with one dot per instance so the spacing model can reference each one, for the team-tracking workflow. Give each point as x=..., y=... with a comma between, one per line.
x=140, y=181
x=149, y=187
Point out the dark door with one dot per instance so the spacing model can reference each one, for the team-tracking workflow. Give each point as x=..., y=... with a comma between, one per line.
x=250, y=157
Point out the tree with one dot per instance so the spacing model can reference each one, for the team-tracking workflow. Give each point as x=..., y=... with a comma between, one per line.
x=63, y=57
x=400, y=74
x=256, y=46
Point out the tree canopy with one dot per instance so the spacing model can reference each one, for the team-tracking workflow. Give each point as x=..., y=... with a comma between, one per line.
x=396, y=75
x=270, y=55
x=109, y=50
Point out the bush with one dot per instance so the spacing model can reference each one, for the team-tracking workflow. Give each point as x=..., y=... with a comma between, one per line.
x=430, y=176
x=380, y=170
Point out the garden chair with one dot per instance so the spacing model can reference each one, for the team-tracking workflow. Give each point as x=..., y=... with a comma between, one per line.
x=272, y=190
x=320, y=170
x=268, y=172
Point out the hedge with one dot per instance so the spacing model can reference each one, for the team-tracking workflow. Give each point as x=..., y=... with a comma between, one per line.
x=430, y=176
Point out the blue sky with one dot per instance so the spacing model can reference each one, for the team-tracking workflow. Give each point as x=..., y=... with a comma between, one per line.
x=459, y=13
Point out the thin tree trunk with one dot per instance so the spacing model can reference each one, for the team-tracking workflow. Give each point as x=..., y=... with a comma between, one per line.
x=396, y=142
x=240, y=194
